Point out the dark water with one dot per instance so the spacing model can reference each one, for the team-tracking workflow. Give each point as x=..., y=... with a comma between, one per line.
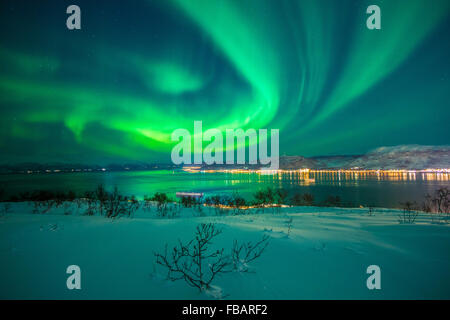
x=353, y=189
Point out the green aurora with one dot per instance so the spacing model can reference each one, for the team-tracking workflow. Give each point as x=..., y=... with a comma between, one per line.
x=137, y=70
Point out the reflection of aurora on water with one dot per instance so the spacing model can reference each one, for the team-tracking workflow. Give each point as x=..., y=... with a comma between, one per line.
x=117, y=88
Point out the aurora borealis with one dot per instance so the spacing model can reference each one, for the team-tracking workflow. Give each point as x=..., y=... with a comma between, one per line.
x=137, y=70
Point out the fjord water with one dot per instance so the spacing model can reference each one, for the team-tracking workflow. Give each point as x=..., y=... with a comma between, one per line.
x=380, y=190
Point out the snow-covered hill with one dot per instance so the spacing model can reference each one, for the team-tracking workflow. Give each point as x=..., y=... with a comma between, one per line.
x=297, y=162
x=404, y=157
x=409, y=157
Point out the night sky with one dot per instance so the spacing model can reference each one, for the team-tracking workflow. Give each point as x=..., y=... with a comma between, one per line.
x=116, y=89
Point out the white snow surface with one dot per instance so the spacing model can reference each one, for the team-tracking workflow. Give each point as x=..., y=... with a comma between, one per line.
x=325, y=256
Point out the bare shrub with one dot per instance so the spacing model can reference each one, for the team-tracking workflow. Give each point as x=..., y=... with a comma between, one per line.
x=300, y=199
x=281, y=196
x=67, y=208
x=101, y=195
x=41, y=207
x=438, y=204
x=219, y=203
x=308, y=199
x=36, y=207
x=269, y=195
x=333, y=201
x=162, y=201
x=48, y=205
x=113, y=204
x=427, y=205
x=147, y=205
x=296, y=199
x=260, y=199
x=442, y=200
x=208, y=203
x=243, y=254
x=173, y=210
x=78, y=203
x=288, y=223
x=117, y=205
x=189, y=202
x=132, y=206
x=194, y=262
x=264, y=198
x=238, y=203
x=193, y=202
x=409, y=213
x=91, y=204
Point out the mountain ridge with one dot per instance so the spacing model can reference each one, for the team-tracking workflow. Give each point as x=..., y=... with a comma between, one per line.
x=401, y=157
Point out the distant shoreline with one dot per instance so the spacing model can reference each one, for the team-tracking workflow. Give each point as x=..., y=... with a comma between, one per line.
x=237, y=171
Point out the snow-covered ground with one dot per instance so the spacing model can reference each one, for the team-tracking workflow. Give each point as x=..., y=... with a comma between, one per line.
x=324, y=257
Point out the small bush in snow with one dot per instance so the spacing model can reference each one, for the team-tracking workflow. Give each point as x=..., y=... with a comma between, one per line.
x=67, y=209
x=300, y=199
x=194, y=262
x=162, y=201
x=147, y=205
x=438, y=204
x=101, y=196
x=41, y=207
x=409, y=213
x=262, y=198
x=91, y=204
x=288, y=223
x=218, y=202
x=199, y=265
x=238, y=203
x=442, y=200
x=243, y=254
x=189, y=202
x=117, y=205
x=333, y=201
x=280, y=198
